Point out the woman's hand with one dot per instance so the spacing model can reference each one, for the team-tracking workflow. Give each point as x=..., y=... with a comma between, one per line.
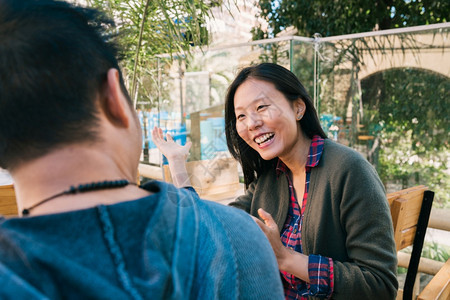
x=169, y=148
x=288, y=260
x=176, y=156
x=270, y=229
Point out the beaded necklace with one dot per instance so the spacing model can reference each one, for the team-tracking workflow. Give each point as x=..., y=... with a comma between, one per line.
x=82, y=188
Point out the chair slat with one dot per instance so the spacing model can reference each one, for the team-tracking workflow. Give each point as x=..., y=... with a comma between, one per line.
x=410, y=211
x=406, y=238
x=439, y=287
x=394, y=195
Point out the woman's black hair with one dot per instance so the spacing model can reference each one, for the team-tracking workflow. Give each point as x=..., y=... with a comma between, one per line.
x=291, y=87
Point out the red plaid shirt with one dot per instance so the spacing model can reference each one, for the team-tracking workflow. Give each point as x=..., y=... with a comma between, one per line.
x=320, y=269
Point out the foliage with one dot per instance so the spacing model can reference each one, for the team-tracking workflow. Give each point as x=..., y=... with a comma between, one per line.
x=334, y=17
x=152, y=27
x=400, y=163
x=430, y=250
x=411, y=100
x=408, y=111
x=435, y=251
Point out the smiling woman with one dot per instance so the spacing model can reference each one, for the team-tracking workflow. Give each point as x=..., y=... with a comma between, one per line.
x=321, y=205
x=264, y=118
x=312, y=194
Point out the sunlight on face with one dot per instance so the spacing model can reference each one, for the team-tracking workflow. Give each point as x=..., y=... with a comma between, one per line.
x=265, y=119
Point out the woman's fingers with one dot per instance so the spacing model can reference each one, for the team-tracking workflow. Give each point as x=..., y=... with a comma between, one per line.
x=155, y=135
x=155, y=132
x=258, y=221
x=160, y=134
x=267, y=218
x=188, y=145
x=168, y=147
x=270, y=229
x=261, y=225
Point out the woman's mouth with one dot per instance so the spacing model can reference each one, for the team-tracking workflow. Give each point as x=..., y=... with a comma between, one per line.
x=264, y=139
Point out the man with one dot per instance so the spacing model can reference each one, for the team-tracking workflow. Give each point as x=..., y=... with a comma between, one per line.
x=71, y=141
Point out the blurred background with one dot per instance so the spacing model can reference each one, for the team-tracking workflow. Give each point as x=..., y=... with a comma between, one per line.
x=377, y=70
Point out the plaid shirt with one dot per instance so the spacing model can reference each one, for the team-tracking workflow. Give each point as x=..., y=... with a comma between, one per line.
x=320, y=269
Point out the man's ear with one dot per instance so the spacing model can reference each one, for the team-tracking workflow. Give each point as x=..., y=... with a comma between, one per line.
x=115, y=105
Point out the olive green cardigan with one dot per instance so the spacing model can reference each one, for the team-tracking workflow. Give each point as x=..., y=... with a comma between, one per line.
x=347, y=218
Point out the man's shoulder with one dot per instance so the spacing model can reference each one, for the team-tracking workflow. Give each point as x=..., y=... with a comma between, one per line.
x=235, y=225
x=234, y=240
x=227, y=215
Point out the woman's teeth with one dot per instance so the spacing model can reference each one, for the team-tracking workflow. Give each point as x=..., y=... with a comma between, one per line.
x=263, y=138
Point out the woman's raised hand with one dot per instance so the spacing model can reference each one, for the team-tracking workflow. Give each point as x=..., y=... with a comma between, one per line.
x=176, y=156
x=168, y=147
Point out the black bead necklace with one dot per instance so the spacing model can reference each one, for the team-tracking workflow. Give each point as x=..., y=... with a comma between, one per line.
x=82, y=188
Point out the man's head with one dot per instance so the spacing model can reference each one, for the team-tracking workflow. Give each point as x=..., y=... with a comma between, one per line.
x=54, y=60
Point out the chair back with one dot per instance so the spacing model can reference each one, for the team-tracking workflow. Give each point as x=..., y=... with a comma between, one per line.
x=8, y=205
x=410, y=211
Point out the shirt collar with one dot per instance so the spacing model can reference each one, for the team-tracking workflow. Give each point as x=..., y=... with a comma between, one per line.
x=314, y=154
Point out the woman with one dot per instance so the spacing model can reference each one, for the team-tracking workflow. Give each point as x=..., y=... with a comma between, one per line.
x=324, y=200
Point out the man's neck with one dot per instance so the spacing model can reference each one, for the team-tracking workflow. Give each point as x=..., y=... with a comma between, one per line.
x=71, y=166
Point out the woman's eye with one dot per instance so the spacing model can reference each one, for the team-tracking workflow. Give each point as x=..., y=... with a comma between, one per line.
x=261, y=107
x=240, y=117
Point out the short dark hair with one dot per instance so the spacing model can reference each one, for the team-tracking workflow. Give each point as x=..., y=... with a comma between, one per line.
x=291, y=87
x=54, y=59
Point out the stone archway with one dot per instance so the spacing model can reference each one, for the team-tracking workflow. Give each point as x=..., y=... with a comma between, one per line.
x=361, y=58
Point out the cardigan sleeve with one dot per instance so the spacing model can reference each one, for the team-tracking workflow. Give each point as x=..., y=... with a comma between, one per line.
x=244, y=202
x=369, y=272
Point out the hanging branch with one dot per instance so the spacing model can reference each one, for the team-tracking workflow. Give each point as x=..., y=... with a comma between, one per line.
x=136, y=60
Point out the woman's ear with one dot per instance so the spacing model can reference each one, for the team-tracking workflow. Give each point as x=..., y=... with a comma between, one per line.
x=115, y=103
x=299, y=108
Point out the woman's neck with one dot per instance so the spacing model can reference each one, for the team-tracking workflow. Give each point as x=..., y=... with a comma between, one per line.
x=296, y=159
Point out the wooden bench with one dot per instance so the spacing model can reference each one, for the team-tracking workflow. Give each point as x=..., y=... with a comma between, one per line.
x=8, y=206
x=410, y=211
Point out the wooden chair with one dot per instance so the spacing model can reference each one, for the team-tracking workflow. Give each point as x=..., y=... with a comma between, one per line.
x=410, y=211
x=8, y=206
x=439, y=287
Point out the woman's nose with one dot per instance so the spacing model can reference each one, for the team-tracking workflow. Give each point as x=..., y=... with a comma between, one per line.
x=254, y=122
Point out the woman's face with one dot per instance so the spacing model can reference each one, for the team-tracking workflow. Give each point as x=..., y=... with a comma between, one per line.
x=266, y=120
